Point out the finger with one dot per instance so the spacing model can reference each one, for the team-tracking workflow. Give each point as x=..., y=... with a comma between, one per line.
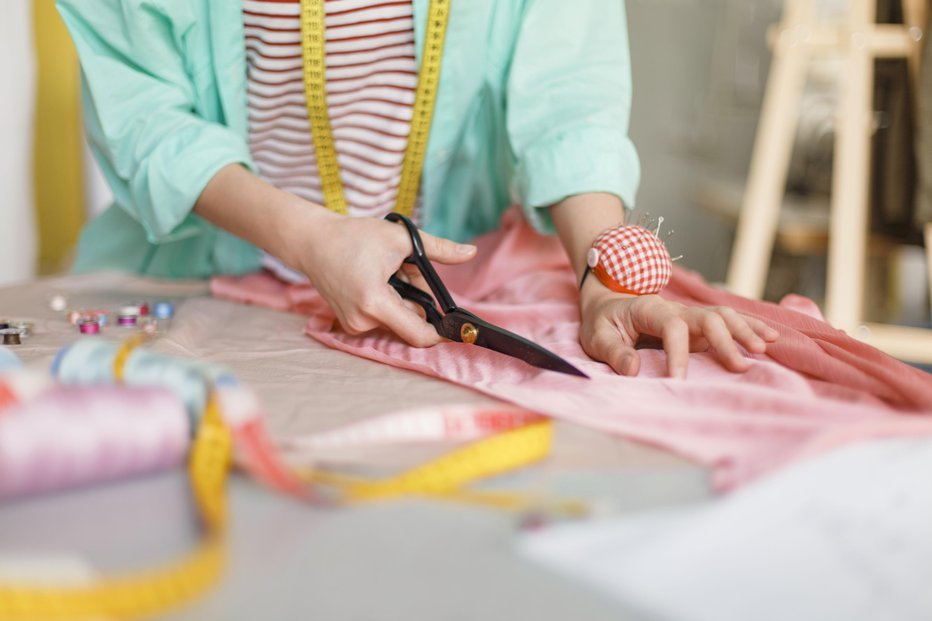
x=606, y=345
x=416, y=308
x=740, y=328
x=762, y=329
x=659, y=317
x=675, y=334
x=414, y=277
x=446, y=250
x=712, y=326
x=406, y=323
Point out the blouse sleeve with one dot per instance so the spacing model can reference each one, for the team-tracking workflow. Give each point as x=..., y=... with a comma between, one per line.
x=141, y=109
x=568, y=105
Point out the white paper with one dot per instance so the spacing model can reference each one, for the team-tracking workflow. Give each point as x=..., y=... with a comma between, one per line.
x=847, y=536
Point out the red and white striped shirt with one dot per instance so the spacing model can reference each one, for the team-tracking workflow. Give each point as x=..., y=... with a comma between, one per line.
x=371, y=81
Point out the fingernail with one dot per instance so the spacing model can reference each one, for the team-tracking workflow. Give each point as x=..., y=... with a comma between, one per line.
x=465, y=249
x=627, y=365
x=678, y=373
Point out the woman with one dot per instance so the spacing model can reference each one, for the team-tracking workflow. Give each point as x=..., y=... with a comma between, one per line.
x=194, y=109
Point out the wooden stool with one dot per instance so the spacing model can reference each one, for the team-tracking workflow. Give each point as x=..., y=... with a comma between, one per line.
x=859, y=40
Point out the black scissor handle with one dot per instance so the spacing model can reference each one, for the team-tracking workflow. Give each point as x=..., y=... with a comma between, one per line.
x=419, y=258
x=422, y=299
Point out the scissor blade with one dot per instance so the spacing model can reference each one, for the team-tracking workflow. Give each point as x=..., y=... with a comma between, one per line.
x=501, y=340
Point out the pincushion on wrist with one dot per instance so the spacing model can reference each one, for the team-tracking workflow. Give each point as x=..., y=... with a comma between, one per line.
x=629, y=259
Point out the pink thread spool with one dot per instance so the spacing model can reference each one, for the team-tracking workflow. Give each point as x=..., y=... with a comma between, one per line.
x=89, y=325
x=129, y=316
x=76, y=436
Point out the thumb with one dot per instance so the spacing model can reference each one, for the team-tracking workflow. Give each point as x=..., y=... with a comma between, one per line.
x=446, y=250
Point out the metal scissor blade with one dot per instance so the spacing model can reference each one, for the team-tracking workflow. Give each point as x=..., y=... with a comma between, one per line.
x=501, y=340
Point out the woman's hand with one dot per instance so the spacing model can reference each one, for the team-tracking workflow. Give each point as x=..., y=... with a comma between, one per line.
x=613, y=323
x=349, y=261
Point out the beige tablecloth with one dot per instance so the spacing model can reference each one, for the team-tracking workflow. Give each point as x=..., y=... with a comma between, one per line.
x=304, y=386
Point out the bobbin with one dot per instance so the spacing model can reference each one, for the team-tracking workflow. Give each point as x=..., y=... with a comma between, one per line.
x=89, y=325
x=10, y=336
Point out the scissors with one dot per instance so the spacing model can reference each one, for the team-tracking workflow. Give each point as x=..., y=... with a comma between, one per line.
x=458, y=324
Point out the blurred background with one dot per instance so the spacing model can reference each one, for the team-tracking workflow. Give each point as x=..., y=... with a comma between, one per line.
x=700, y=71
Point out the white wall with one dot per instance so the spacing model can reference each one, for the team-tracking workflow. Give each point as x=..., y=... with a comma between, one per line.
x=18, y=243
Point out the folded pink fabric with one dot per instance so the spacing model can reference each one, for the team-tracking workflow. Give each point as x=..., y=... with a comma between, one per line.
x=814, y=389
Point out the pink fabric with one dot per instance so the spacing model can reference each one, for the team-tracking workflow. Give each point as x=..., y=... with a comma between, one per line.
x=814, y=389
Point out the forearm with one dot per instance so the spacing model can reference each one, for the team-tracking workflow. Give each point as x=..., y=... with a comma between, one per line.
x=239, y=202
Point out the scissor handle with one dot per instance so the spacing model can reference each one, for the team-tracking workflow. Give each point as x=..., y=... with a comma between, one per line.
x=422, y=299
x=419, y=258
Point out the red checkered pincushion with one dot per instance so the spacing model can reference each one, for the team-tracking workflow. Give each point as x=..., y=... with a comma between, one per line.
x=630, y=259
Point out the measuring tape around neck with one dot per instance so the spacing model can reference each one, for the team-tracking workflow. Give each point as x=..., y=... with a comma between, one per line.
x=313, y=40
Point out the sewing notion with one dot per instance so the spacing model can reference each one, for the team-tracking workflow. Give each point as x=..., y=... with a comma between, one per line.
x=458, y=324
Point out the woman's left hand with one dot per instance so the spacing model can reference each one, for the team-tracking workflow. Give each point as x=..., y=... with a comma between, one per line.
x=613, y=323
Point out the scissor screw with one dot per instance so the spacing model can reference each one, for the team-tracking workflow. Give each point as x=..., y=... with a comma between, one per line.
x=469, y=333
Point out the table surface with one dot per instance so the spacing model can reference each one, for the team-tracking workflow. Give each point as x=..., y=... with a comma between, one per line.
x=405, y=559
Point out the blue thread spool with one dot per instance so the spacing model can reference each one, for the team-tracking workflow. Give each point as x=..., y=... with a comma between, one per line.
x=163, y=310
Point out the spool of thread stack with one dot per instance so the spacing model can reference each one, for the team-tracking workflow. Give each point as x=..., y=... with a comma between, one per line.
x=89, y=362
x=75, y=436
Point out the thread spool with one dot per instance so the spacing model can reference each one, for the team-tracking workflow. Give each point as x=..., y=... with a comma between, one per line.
x=10, y=336
x=101, y=315
x=90, y=361
x=137, y=307
x=26, y=328
x=89, y=325
x=163, y=310
x=129, y=316
x=76, y=436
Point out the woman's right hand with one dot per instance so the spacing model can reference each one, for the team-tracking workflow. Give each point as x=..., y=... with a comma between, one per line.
x=349, y=261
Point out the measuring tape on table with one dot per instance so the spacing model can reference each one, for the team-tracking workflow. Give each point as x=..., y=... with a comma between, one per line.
x=151, y=592
x=313, y=41
x=507, y=439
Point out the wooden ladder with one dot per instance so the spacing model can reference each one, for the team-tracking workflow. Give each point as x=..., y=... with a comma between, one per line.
x=859, y=40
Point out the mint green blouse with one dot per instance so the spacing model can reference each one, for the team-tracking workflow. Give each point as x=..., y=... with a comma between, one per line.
x=533, y=107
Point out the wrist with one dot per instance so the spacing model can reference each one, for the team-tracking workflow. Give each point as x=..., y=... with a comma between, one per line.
x=593, y=293
x=297, y=227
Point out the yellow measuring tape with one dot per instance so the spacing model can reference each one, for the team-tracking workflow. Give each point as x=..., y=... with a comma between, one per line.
x=156, y=591
x=313, y=42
